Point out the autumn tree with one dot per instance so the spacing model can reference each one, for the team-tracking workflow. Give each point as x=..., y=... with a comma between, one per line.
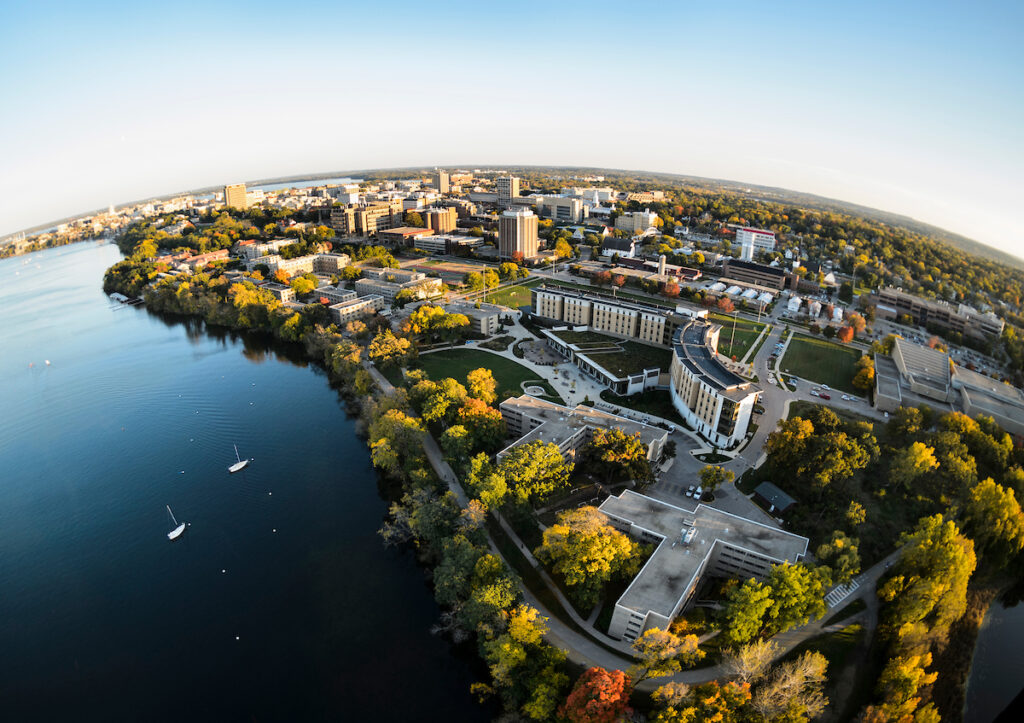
x=798, y=595
x=485, y=425
x=786, y=444
x=599, y=696
x=845, y=334
x=910, y=463
x=396, y=441
x=856, y=322
x=864, y=377
x=725, y=305
x=670, y=290
x=728, y=703
x=856, y=514
x=744, y=612
x=485, y=483
x=388, y=350
x=900, y=688
x=928, y=589
x=660, y=653
x=586, y=551
x=794, y=689
x=481, y=385
x=841, y=556
x=993, y=518
x=620, y=455
x=749, y=662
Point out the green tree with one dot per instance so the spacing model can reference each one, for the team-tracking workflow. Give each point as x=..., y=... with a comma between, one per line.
x=620, y=455
x=534, y=470
x=414, y=218
x=841, y=556
x=485, y=483
x=485, y=424
x=745, y=609
x=786, y=445
x=864, y=377
x=798, y=593
x=910, y=463
x=456, y=442
x=713, y=476
x=444, y=401
x=586, y=551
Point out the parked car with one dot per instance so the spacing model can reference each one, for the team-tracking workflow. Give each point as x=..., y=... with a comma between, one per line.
x=814, y=393
x=826, y=387
x=690, y=490
x=698, y=494
x=846, y=397
x=825, y=396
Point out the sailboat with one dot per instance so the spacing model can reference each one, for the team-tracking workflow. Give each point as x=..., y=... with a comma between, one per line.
x=179, y=527
x=240, y=464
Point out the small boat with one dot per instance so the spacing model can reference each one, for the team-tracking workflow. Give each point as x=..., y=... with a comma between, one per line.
x=179, y=527
x=240, y=464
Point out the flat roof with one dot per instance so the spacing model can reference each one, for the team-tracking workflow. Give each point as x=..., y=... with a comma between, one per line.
x=663, y=581
x=926, y=366
x=408, y=230
x=774, y=495
x=887, y=377
x=751, y=266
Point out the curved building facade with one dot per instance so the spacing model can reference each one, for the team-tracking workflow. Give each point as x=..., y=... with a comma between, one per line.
x=713, y=400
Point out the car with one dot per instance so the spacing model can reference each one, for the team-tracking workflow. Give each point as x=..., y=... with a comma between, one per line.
x=886, y=415
x=690, y=490
x=814, y=393
x=825, y=396
x=846, y=397
x=826, y=387
x=698, y=494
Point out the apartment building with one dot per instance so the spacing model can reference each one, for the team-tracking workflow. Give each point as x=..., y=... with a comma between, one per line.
x=562, y=209
x=517, y=234
x=713, y=400
x=690, y=545
x=892, y=303
x=530, y=419
x=448, y=243
x=441, y=182
x=355, y=308
x=335, y=294
x=506, y=188
x=387, y=283
x=367, y=219
x=235, y=196
x=751, y=240
x=441, y=220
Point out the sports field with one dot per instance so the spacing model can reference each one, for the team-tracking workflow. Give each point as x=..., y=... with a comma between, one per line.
x=821, y=361
x=746, y=334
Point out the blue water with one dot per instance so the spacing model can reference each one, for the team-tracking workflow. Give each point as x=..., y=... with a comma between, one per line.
x=279, y=602
x=306, y=184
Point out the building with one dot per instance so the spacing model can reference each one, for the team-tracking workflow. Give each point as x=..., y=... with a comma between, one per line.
x=441, y=182
x=506, y=188
x=624, y=371
x=402, y=235
x=747, y=272
x=773, y=498
x=441, y=220
x=754, y=239
x=623, y=247
x=562, y=209
x=448, y=244
x=645, y=196
x=250, y=250
x=281, y=292
x=355, y=308
x=464, y=209
x=636, y=221
x=982, y=395
x=483, y=320
x=388, y=283
x=713, y=400
x=691, y=545
x=367, y=219
x=235, y=196
x=924, y=371
x=890, y=304
x=530, y=419
x=334, y=294
x=517, y=234
x=197, y=262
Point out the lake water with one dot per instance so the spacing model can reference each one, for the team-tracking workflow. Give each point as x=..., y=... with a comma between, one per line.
x=278, y=603
x=997, y=673
x=306, y=184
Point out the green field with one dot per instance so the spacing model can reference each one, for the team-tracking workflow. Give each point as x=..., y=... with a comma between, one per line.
x=821, y=361
x=746, y=334
x=511, y=296
x=633, y=358
x=458, y=363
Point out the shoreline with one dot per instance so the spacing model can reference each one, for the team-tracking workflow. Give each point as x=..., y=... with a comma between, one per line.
x=956, y=660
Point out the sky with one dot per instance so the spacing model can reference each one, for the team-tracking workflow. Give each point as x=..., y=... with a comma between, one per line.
x=910, y=107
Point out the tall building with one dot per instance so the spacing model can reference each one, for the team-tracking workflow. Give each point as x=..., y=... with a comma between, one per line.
x=441, y=220
x=441, y=182
x=507, y=188
x=367, y=219
x=754, y=239
x=517, y=234
x=635, y=221
x=235, y=196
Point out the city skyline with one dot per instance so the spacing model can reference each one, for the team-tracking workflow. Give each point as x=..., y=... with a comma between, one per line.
x=909, y=110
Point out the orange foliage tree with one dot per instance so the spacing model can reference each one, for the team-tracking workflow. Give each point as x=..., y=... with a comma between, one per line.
x=599, y=696
x=846, y=334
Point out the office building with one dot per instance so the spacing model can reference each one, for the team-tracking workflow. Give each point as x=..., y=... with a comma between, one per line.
x=636, y=222
x=441, y=182
x=402, y=236
x=714, y=401
x=367, y=219
x=235, y=196
x=562, y=209
x=751, y=240
x=891, y=304
x=448, y=244
x=748, y=272
x=388, y=283
x=517, y=234
x=356, y=308
x=506, y=188
x=441, y=220
x=334, y=294
x=530, y=419
x=983, y=395
x=690, y=545
x=483, y=320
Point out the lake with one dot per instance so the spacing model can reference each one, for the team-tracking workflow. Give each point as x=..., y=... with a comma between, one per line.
x=997, y=673
x=278, y=603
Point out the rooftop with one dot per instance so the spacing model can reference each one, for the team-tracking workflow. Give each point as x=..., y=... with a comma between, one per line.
x=693, y=348
x=923, y=365
x=666, y=577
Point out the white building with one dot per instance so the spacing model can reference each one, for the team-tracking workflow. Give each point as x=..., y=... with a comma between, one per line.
x=636, y=221
x=754, y=239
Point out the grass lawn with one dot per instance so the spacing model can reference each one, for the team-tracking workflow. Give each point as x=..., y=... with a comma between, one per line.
x=632, y=358
x=458, y=363
x=821, y=361
x=512, y=296
x=585, y=337
x=757, y=347
x=746, y=334
x=393, y=374
x=654, y=401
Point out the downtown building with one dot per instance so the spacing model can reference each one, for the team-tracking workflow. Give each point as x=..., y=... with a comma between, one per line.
x=367, y=219
x=235, y=196
x=506, y=188
x=892, y=303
